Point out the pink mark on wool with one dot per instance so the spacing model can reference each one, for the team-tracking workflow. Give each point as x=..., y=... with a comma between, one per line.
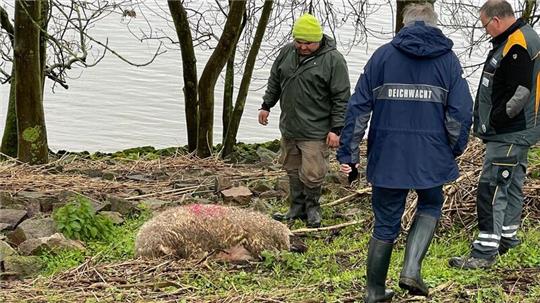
x=206, y=210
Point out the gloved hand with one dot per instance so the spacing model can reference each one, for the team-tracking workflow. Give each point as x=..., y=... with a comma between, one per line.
x=353, y=175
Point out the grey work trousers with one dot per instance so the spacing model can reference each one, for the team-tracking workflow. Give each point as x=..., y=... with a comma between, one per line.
x=499, y=199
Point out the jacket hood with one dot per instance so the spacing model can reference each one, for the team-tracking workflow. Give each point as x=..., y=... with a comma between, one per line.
x=420, y=40
x=327, y=44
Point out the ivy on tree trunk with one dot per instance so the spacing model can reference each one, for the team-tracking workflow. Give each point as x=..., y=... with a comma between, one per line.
x=32, y=134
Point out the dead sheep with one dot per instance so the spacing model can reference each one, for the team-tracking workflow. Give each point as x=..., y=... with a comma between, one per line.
x=194, y=231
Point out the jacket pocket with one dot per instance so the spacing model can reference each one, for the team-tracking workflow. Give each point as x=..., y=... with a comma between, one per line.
x=485, y=107
x=503, y=170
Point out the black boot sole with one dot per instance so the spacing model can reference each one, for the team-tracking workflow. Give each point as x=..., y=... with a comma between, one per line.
x=283, y=218
x=313, y=225
x=413, y=287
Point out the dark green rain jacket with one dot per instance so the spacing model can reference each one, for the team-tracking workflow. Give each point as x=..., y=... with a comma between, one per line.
x=313, y=91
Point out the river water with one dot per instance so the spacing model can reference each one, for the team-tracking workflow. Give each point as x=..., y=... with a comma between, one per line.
x=114, y=106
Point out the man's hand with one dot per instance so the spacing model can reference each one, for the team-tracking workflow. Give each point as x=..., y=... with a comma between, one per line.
x=350, y=169
x=263, y=116
x=332, y=140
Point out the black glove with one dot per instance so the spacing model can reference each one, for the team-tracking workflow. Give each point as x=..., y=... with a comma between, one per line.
x=353, y=175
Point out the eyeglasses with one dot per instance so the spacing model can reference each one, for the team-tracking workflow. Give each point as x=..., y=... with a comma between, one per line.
x=489, y=21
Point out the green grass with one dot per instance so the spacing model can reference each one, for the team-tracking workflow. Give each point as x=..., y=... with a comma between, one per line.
x=118, y=247
x=333, y=268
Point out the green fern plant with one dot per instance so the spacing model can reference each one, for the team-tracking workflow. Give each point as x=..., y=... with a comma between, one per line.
x=78, y=220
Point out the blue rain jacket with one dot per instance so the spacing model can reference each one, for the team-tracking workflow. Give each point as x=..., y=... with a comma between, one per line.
x=420, y=107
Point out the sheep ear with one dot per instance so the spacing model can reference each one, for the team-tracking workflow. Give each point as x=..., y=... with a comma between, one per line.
x=237, y=254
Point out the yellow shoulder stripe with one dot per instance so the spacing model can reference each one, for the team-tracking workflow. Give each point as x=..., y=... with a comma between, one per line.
x=515, y=38
x=537, y=101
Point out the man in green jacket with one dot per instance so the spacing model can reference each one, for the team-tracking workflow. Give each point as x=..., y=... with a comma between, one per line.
x=311, y=81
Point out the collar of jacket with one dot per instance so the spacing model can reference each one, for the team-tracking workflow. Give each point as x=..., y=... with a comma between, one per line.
x=502, y=37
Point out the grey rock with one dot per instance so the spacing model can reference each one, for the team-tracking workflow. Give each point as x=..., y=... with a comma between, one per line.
x=260, y=186
x=31, y=229
x=121, y=205
x=155, y=204
x=115, y=217
x=37, y=201
x=21, y=201
x=239, y=195
x=222, y=183
x=22, y=266
x=3, y=226
x=68, y=196
x=11, y=217
x=26, y=200
x=282, y=184
x=266, y=155
x=54, y=244
x=100, y=206
x=6, y=250
x=6, y=200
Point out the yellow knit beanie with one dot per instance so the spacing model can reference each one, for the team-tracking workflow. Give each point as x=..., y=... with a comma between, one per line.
x=307, y=28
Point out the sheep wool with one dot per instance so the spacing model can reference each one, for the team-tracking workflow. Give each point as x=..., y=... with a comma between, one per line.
x=192, y=231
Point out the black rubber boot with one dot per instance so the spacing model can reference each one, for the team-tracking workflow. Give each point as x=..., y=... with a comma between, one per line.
x=297, y=199
x=418, y=241
x=378, y=260
x=313, y=208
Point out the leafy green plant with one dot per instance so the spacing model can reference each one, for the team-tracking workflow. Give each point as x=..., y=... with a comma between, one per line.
x=78, y=220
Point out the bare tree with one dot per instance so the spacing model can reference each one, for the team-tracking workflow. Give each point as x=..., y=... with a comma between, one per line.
x=202, y=26
x=32, y=138
x=231, y=129
x=400, y=6
x=63, y=43
x=183, y=31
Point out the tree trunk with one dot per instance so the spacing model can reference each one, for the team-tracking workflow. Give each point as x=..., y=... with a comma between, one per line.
x=232, y=129
x=32, y=134
x=529, y=10
x=189, y=67
x=9, y=138
x=211, y=72
x=400, y=6
x=44, y=22
x=228, y=90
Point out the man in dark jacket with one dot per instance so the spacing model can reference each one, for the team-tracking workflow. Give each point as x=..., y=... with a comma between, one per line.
x=506, y=119
x=311, y=81
x=421, y=112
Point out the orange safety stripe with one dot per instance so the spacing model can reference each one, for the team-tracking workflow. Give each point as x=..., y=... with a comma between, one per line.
x=515, y=38
x=537, y=100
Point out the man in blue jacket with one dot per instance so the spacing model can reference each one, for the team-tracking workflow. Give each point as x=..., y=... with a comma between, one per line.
x=421, y=112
